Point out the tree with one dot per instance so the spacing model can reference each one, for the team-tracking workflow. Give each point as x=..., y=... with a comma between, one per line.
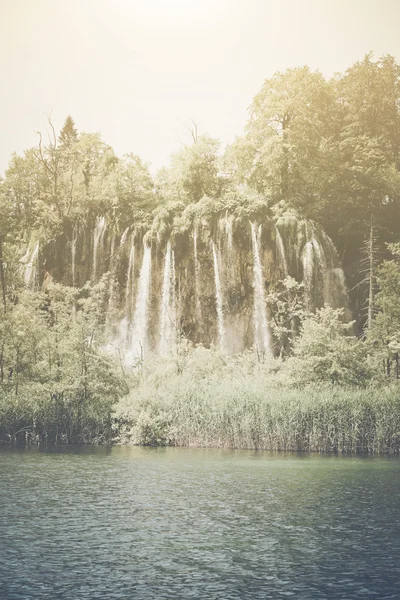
x=193, y=172
x=134, y=188
x=289, y=119
x=286, y=305
x=68, y=134
x=326, y=353
x=384, y=332
x=366, y=187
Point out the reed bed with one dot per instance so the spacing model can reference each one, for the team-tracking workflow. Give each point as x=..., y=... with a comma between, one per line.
x=232, y=409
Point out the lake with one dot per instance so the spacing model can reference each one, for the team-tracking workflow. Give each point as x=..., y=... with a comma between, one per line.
x=153, y=523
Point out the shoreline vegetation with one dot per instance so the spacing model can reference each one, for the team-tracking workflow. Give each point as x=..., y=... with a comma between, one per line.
x=198, y=397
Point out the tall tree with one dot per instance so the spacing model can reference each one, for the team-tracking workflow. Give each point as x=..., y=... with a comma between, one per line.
x=69, y=133
x=366, y=188
x=290, y=118
x=384, y=333
x=193, y=172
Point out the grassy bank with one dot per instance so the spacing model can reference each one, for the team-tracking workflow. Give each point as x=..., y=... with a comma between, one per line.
x=199, y=397
x=251, y=415
x=210, y=402
x=39, y=415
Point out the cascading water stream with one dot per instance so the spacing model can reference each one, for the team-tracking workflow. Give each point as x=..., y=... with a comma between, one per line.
x=97, y=243
x=196, y=278
x=219, y=301
x=30, y=271
x=140, y=320
x=281, y=251
x=301, y=249
x=167, y=308
x=229, y=231
x=173, y=297
x=321, y=277
x=225, y=226
x=308, y=272
x=73, y=258
x=335, y=291
x=261, y=331
x=111, y=285
x=130, y=281
x=124, y=237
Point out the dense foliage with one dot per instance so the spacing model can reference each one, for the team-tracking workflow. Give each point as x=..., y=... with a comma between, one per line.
x=200, y=397
x=56, y=384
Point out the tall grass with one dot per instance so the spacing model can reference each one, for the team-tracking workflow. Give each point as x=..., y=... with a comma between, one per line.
x=38, y=415
x=240, y=403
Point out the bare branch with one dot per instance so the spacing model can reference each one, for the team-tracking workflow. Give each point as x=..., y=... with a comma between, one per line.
x=193, y=131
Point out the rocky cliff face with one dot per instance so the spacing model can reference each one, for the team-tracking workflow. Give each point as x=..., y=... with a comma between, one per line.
x=207, y=281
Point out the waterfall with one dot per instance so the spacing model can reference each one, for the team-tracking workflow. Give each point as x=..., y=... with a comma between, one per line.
x=335, y=287
x=336, y=290
x=308, y=272
x=123, y=237
x=319, y=251
x=73, y=256
x=165, y=300
x=261, y=332
x=196, y=278
x=281, y=251
x=333, y=257
x=173, y=319
x=112, y=251
x=167, y=308
x=229, y=232
x=97, y=241
x=31, y=263
x=218, y=297
x=140, y=319
x=226, y=226
x=111, y=285
x=322, y=276
x=314, y=267
x=129, y=281
x=299, y=247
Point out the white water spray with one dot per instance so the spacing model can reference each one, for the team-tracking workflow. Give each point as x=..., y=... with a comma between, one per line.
x=218, y=297
x=196, y=278
x=124, y=237
x=140, y=319
x=281, y=251
x=167, y=308
x=225, y=226
x=130, y=281
x=261, y=331
x=111, y=285
x=308, y=272
x=31, y=263
x=97, y=243
x=73, y=257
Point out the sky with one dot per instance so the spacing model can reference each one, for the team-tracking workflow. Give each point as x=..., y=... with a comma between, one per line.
x=138, y=70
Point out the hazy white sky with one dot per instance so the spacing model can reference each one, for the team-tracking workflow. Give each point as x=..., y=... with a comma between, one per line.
x=132, y=69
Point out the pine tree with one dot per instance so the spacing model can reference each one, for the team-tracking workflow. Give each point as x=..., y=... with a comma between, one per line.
x=69, y=133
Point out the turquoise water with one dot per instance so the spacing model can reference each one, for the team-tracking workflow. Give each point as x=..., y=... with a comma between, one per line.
x=104, y=523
